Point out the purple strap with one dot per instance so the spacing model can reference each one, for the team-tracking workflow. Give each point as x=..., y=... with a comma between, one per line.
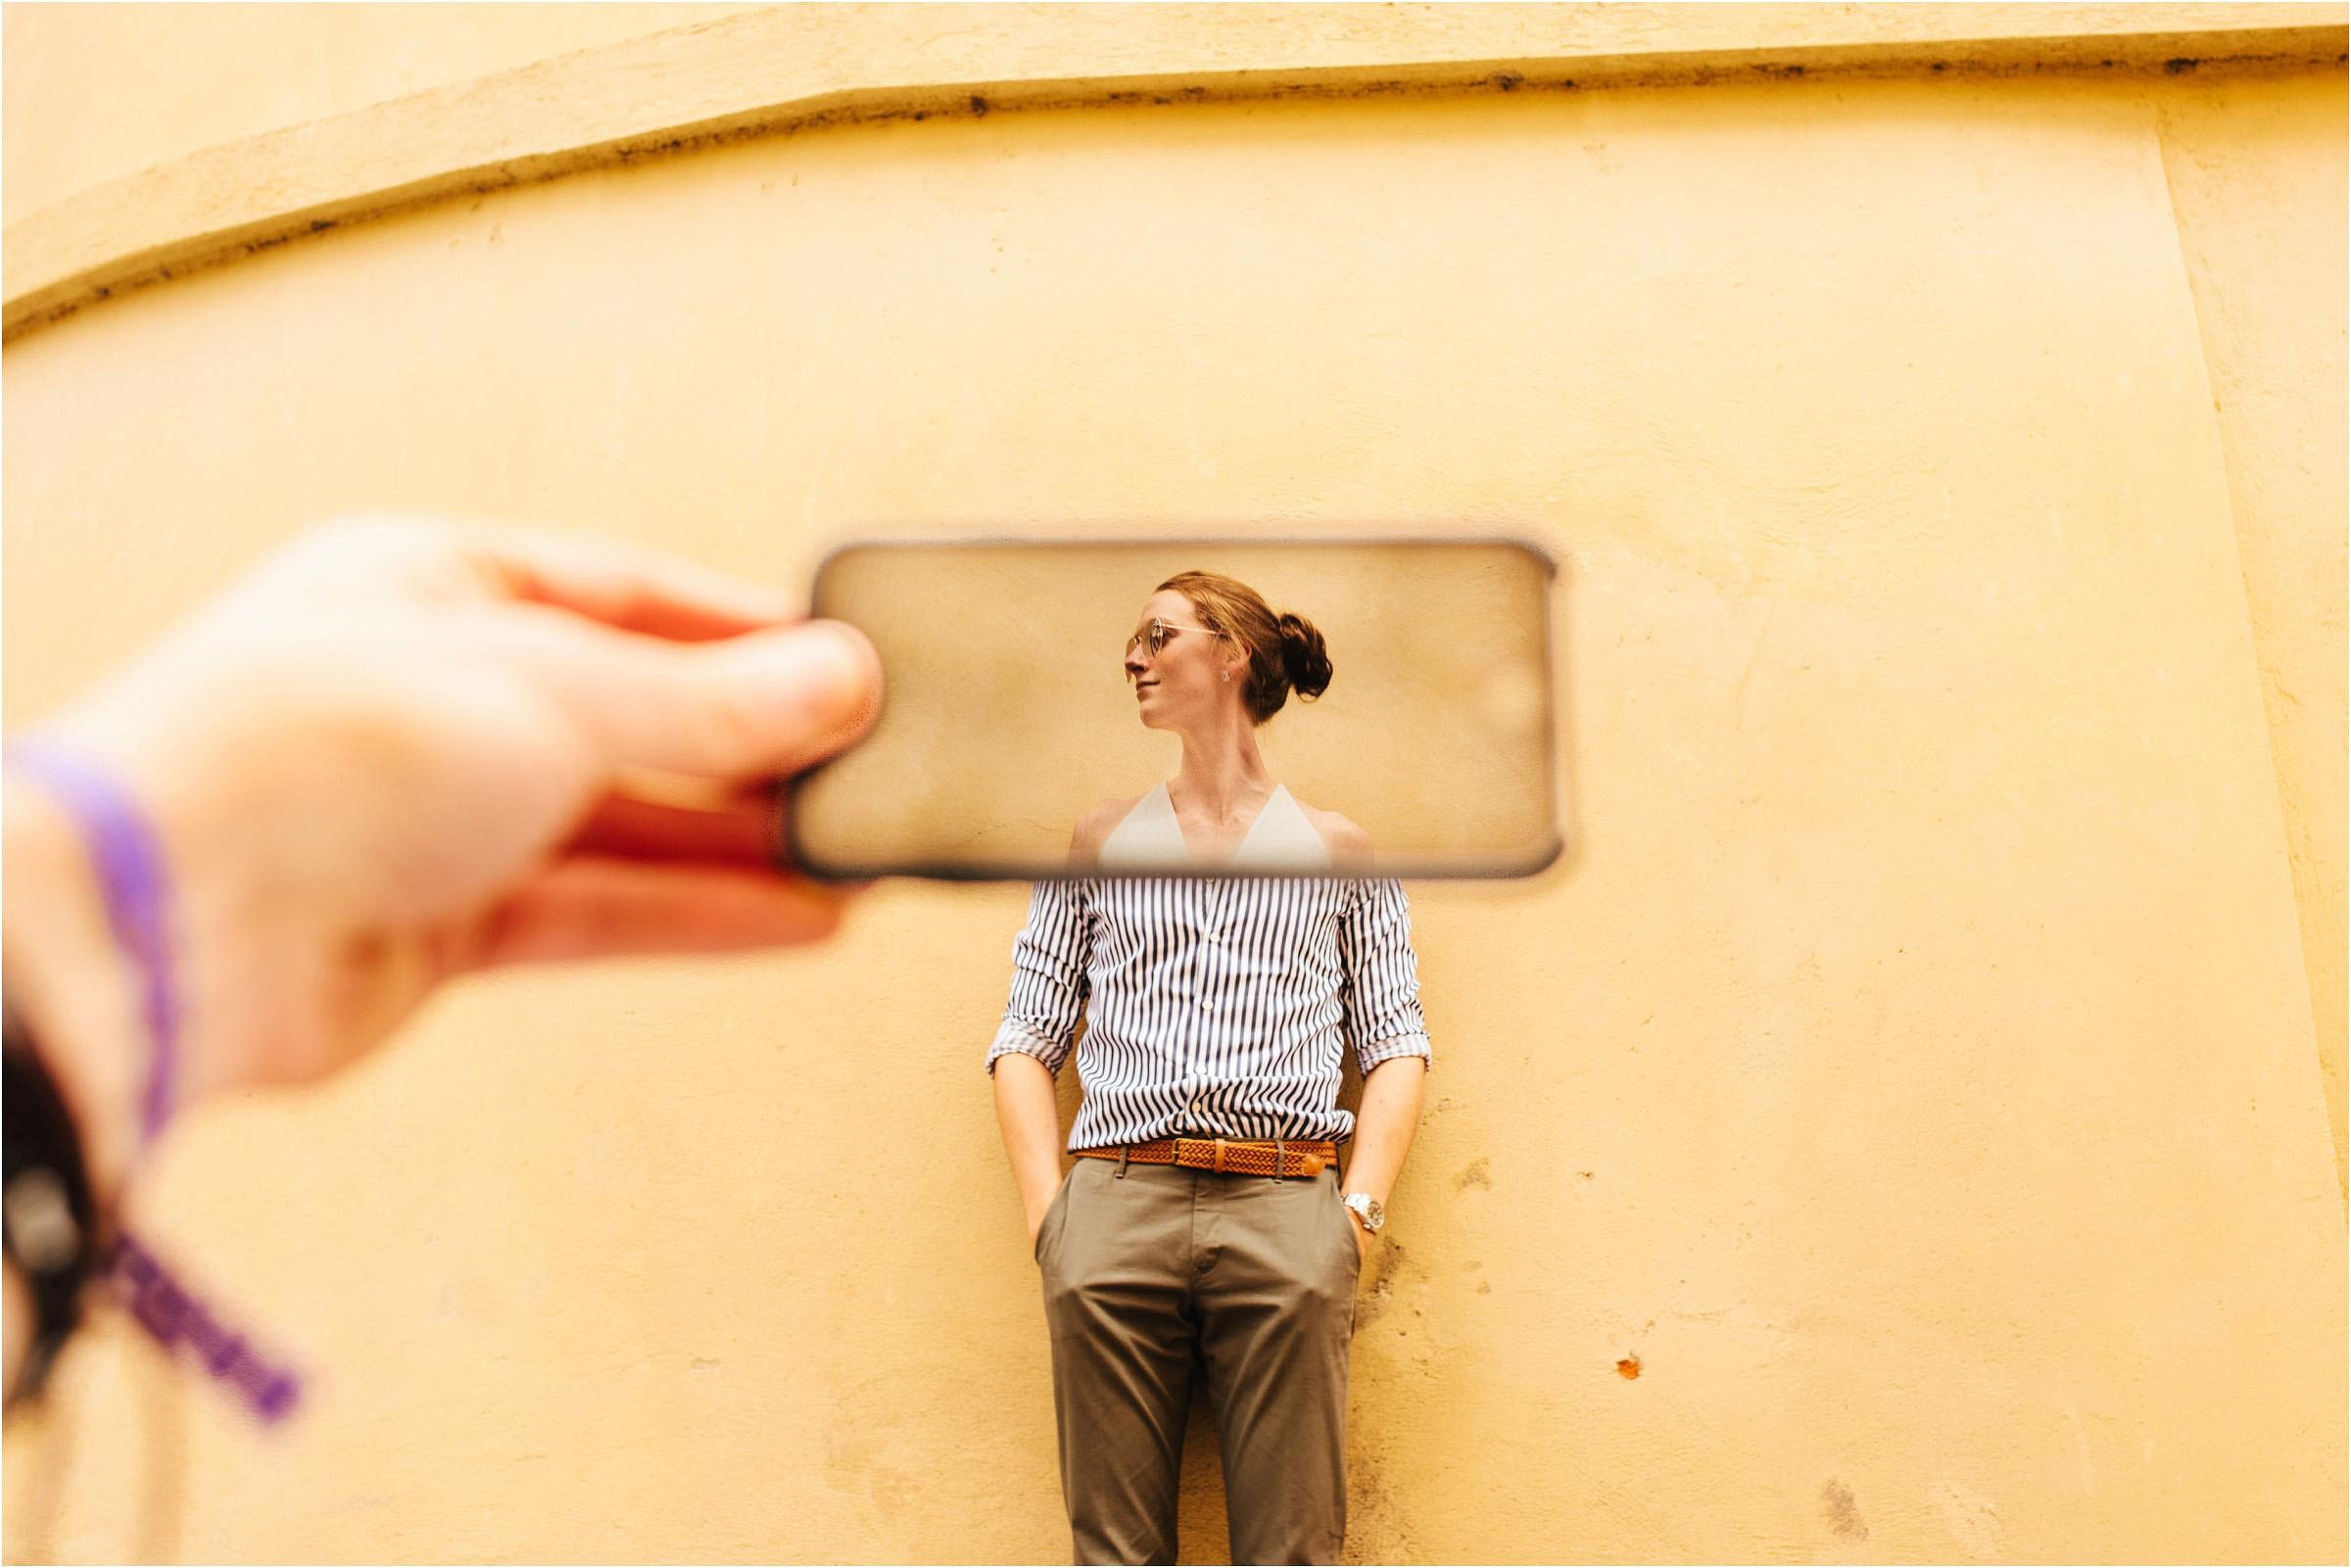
x=170, y=1312
x=136, y=888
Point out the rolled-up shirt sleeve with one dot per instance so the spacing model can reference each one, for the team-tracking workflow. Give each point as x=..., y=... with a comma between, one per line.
x=1380, y=987
x=1049, y=975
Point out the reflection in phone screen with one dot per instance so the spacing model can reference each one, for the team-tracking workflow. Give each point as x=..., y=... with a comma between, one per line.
x=1214, y=707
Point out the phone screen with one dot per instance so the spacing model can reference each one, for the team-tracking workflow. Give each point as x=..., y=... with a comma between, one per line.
x=1035, y=721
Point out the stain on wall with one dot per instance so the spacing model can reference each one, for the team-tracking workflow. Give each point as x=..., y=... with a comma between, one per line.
x=1837, y=1502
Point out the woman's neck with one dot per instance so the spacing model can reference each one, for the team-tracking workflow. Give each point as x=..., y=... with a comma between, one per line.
x=1223, y=776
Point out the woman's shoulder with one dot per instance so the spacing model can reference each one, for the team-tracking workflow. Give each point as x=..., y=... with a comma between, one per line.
x=1349, y=846
x=1096, y=826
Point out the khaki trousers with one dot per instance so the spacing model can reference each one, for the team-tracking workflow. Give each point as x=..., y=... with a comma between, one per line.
x=1159, y=1274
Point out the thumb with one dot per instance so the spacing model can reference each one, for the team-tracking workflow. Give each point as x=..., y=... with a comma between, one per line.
x=765, y=704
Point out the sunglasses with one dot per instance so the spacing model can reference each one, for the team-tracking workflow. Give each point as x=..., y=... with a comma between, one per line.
x=1156, y=633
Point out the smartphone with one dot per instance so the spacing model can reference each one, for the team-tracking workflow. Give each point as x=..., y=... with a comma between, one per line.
x=1040, y=697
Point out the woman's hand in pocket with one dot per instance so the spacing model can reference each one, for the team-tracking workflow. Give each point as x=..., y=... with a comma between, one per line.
x=1036, y=1205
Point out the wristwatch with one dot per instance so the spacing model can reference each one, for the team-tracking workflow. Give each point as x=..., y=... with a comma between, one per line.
x=52, y=1219
x=1366, y=1211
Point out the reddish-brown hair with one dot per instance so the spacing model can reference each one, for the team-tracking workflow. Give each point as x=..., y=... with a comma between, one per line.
x=1285, y=652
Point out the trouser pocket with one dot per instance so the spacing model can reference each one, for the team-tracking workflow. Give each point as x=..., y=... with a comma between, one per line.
x=1052, y=1215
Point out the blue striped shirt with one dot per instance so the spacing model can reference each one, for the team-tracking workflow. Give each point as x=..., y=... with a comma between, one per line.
x=1215, y=1007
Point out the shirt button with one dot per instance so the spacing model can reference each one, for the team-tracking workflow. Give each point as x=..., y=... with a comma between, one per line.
x=1205, y=1004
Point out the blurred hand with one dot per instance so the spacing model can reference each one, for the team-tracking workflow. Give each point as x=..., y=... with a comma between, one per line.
x=404, y=749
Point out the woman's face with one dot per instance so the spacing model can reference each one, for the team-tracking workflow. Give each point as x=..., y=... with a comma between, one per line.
x=1184, y=683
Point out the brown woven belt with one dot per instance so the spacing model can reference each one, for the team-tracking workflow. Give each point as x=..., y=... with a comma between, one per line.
x=1248, y=1157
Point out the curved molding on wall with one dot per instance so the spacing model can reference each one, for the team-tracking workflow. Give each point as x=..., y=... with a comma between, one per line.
x=764, y=71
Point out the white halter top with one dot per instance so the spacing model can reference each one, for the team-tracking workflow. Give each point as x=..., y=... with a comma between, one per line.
x=1281, y=838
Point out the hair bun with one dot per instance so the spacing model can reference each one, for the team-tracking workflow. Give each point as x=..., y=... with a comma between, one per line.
x=1304, y=659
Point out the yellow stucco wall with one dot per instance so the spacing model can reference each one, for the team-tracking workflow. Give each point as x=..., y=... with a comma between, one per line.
x=95, y=92
x=1915, y=1065
x=2257, y=178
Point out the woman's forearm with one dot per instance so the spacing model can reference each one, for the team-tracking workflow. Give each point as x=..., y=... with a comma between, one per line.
x=1384, y=1125
x=1030, y=1120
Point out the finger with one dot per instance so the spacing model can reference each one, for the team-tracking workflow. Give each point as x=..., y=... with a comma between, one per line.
x=739, y=832
x=622, y=585
x=593, y=907
x=763, y=704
